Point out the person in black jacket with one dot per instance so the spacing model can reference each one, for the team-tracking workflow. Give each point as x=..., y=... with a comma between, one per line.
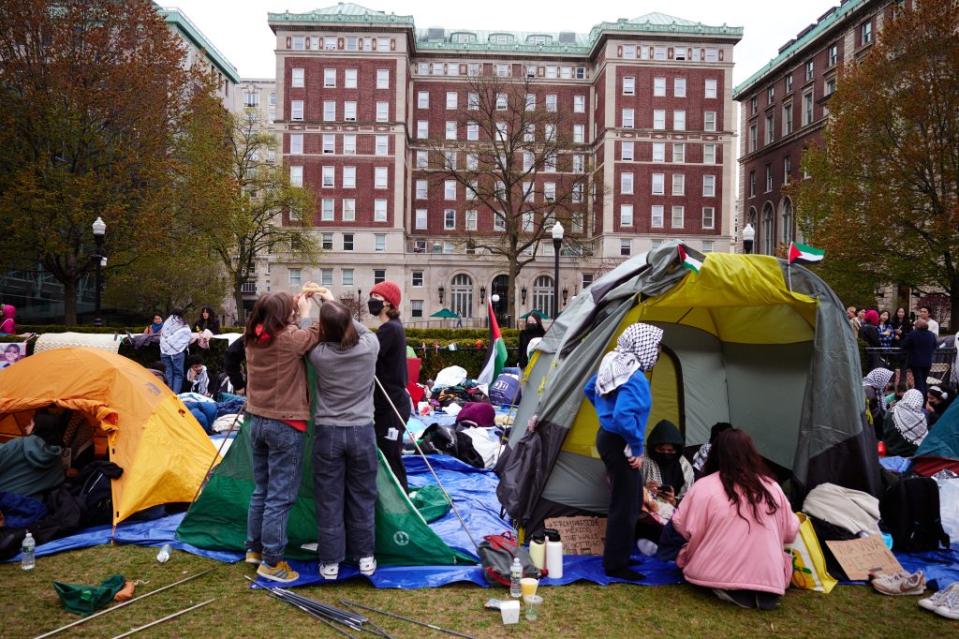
x=869, y=333
x=207, y=321
x=392, y=373
x=532, y=330
x=920, y=345
x=233, y=363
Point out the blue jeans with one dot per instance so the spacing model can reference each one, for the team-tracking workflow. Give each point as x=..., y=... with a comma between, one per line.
x=277, y=468
x=173, y=370
x=344, y=480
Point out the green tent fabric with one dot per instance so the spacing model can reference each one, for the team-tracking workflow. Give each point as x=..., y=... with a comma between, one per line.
x=81, y=599
x=430, y=501
x=217, y=520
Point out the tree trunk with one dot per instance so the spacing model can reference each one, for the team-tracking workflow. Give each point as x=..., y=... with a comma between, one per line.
x=238, y=300
x=70, y=301
x=511, y=293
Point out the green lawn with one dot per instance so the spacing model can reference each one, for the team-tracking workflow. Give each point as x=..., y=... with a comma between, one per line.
x=29, y=606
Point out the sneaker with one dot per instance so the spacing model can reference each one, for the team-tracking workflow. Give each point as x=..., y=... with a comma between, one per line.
x=367, y=566
x=937, y=599
x=949, y=606
x=329, y=570
x=900, y=583
x=742, y=598
x=281, y=572
x=253, y=557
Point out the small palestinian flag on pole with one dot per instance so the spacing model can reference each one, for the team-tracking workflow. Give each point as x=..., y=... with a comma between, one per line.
x=804, y=253
x=496, y=355
x=693, y=260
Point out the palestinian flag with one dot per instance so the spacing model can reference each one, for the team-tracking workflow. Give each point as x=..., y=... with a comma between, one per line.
x=496, y=355
x=693, y=260
x=804, y=253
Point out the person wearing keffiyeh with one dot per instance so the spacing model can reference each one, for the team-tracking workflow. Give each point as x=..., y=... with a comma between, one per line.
x=905, y=426
x=620, y=393
x=874, y=385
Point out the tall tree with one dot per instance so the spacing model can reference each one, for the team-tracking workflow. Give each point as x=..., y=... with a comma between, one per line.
x=884, y=188
x=522, y=170
x=93, y=91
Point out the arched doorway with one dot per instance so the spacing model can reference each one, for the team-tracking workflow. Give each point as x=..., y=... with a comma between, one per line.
x=500, y=286
x=768, y=230
x=543, y=295
x=461, y=295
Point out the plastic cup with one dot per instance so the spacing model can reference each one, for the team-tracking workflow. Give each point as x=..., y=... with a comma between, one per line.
x=533, y=604
x=528, y=586
x=509, y=611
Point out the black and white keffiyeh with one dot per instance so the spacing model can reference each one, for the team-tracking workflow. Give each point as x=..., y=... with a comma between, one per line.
x=908, y=417
x=877, y=378
x=637, y=349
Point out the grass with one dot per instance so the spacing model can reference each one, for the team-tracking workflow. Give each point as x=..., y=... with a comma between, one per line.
x=29, y=606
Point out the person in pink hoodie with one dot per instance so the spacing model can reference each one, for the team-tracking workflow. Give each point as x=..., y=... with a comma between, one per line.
x=736, y=521
x=8, y=323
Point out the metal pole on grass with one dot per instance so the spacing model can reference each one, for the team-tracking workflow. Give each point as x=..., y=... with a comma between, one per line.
x=167, y=618
x=353, y=604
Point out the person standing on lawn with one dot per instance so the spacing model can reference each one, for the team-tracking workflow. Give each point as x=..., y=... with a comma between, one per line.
x=391, y=370
x=344, y=444
x=620, y=393
x=277, y=409
x=920, y=345
x=174, y=339
x=533, y=329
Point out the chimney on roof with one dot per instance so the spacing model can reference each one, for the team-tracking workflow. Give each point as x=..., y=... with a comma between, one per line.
x=567, y=37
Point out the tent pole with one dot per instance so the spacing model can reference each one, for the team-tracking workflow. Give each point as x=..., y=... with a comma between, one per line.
x=353, y=604
x=789, y=275
x=428, y=464
x=167, y=618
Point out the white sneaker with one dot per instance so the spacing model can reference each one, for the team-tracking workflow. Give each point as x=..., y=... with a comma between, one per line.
x=367, y=566
x=329, y=571
x=949, y=604
x=646, y=547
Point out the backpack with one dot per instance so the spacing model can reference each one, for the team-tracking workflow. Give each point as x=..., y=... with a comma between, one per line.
x=910, y=511
x=496, y=553
x=515, y=465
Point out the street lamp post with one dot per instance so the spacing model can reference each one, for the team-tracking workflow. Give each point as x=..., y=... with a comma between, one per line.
x=557, y=244
x=749, y=235
x=99, y=230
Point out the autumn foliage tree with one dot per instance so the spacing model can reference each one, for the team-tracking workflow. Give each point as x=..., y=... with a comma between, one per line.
x=515, y=158
x=93, y=95
x=884, y=189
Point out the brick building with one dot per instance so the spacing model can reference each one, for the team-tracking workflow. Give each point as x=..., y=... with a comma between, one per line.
x=784, y=106
x=359, y=92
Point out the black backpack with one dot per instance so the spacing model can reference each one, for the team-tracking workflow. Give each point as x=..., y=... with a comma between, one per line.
x=496, y=553
x=515, y=468
x=910, y=512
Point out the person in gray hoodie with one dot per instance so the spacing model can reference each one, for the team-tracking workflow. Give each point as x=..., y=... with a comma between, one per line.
x=344, y=445
x=31, y=465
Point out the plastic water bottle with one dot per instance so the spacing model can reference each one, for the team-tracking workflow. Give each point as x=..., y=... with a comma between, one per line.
x=164, y=555
x=28, y=558
x=515, y=574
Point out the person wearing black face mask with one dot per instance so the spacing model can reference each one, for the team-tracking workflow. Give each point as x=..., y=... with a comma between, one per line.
x=391, y=371
x=667, y=475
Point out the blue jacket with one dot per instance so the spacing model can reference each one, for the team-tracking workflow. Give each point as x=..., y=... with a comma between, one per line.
x=920, y=344
x=625, y=410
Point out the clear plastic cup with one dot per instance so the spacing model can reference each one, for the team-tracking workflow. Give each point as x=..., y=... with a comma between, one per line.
x=528, y=586
x=533, y=605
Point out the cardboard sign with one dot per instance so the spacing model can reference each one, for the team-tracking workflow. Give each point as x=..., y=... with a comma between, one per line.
x=859, y=557
x=580, y=535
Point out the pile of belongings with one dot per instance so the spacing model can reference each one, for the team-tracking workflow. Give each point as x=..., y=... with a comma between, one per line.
x=473, y=439
x=214, y=417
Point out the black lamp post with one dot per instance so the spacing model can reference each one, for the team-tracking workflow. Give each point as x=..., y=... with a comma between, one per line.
x=99, y=230
x=557, y=244
x=749, y=235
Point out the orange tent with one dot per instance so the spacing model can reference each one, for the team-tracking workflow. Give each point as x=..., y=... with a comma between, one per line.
x=144, y=427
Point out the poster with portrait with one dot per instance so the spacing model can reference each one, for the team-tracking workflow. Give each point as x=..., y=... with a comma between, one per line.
x=11, y=353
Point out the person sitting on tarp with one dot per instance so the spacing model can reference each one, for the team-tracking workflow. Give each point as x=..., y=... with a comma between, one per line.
x=736, y=521
x=938, y=400
x=874, y=387
x=905, y=426
x=699, y=459
x=667, y=475
x=621, y=395
x=197, y=376
x=32, y=465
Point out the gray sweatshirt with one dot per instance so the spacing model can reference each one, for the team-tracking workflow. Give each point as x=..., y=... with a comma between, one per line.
x=344, y=380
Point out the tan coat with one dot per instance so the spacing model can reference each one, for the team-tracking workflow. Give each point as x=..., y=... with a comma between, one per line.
x=276, y=375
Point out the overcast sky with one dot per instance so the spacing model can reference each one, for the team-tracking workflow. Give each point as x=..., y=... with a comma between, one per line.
x=238, y=28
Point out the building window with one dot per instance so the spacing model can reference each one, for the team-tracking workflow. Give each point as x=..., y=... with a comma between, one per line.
x=752, y=184
x=832, y=55
x=579, y=163
x=679, y=184
x=709, y=153
x=422, y=129
x=251, y=100
x=299, y=44
x=461, y=295
x=349, y=144
x=296, y=279
x=787, y=222
x=768, y=230
x=348, y=210
x=711, y=89
x=382, y=78
x=659, y=119
x=679, y=153
x=421, y=189
x=788, y=84
x=499, y=222
x=678, y=217
x=501, y=102
x=807, y=108
x=298, y=80
x=449, y=190
x=626, y=151
x=626, y=215
x=379, y=210
x=810, y=70
x=472, y=101
x=347, y=241
x=349, y=111
x=830, y=86
x=379, y=242
x=769, y=178
x=543, y=294
x=707, y=246
x=551, y=103
x=416, y=279
x=449, y=219
x=659, y=53
x=382, y=145
x=329, y=111
x=659, y=180
x=787, y=169
x=628, y=121
x=625, y=247
x=423, y=100
x=296, y=110
x=629, y=51
x=769, y=131
x=296, y=176
x=753, y=137
x=626, y=183
x=379, y=275
x=382, y=111
x=326, y=277
x=349, y=177
x=346, y=277
x=451, y=99
x=579, y=104
x=471, y=220
x=753, y=105
x=329, y=177
x=421, y=217
x=709, y=121
x=579, y=133
x=679, y=87
x=380, y=177
x=326, y=209
x=770, y=94
x=656, y=213
x=709, y=217
x=679, y=120
x=659, y=151
x=787, y=119
x=329, y=143
x=866, y=31
x=451, y=130
x=659, y=87
x=349, y=78
x=329, y=77
x=586, y=281
x=709, y=186
x=472, y=161
x=296, y=143
x=629, y=85
x=416, y=309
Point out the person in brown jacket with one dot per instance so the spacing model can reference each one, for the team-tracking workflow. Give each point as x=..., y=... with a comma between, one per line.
x=277, y=410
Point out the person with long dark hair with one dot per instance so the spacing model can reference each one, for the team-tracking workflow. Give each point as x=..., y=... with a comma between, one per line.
x=392, y=372
x=277, y=410
x=736, y=521
x=207, y=321
x=532, y=330
x=344, y=443
x=620, y=393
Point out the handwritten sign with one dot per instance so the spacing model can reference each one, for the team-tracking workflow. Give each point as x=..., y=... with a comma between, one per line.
x=580, y=535
x=859, y=557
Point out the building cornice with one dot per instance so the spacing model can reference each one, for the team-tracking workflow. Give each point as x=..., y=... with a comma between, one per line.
x=178, y=19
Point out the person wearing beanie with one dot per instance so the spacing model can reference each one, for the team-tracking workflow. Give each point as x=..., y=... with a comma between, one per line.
x=384, y=305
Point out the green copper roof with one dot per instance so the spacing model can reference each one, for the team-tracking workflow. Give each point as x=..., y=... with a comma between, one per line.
x=189, y=30
x=438, y=39
x=826, y=22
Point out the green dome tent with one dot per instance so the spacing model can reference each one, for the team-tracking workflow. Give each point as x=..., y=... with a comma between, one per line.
x=738, y=346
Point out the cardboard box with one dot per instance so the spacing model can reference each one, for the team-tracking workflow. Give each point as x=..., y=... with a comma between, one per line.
x=580, y=535
x=859, y=557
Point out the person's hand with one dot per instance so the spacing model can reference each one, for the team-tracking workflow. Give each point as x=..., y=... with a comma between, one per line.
x=239, y=391
x=636, y=463
x=666, y=493
x=652, y=487
x=532, y=423
x=303, y=305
